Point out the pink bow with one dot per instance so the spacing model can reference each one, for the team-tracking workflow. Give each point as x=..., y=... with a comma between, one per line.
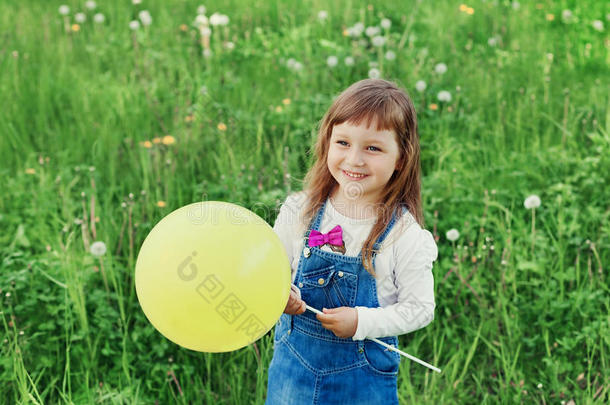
x=334, y=237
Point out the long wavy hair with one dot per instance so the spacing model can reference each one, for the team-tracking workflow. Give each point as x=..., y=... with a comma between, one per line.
x=384, y=103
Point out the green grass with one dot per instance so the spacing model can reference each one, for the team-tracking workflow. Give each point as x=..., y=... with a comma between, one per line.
x=517, y=305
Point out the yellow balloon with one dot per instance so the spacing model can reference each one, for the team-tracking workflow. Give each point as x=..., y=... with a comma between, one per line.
x=212, y=276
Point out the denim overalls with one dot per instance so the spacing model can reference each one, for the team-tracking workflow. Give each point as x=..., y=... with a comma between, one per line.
x=310, y=364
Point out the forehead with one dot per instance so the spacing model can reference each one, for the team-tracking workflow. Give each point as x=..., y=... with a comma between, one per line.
x=363, y=131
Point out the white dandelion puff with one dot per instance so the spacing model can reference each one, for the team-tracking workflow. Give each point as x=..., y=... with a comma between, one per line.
x=374, y=73
x=332, y=61
x=516, y=5
x=290, y=63
x=206, y=53
x=99, y=18
x=386, y=23
x=598, y=25
x=201, y=20
x=566, y=16
x=205, y=31
x=531, y=202
x=230, y=46
x=440, y=68
x=390, y=55
x=80, y=18
x=420, y=86
x=219, y=19
x=372, y=31
x=64, y=10
x=297, y=66
x=201, y=9
x=444, y=95
x=98, y=248
x=322, y=15
x=452, y=234
x=134, y=25
x=349, y=61
x=356, y=30
x=136, y=2
x=492, y=41
x=90, y=4
x=145, y=17
x=378, y=41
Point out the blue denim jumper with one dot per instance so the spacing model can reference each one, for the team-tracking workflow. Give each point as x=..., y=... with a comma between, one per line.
x=310, y=364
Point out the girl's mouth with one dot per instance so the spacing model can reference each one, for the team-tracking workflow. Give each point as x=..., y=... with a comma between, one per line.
x=354, y=176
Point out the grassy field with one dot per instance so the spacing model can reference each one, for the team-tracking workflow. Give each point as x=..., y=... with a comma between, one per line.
x=105, y=128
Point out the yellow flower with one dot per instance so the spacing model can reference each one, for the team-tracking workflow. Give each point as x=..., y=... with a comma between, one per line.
x=30, y=171
x=550, y=17
x=188, y=118
x=470, y=11
x=168, y=140
x=75, y=27
x=161, y=204
x=286, y=101
x=222, y=126
x=433, y=106
x=463, y=7
x=345, y=32
x=183, y=27
x=156, y=140
x=278, y=109
x=146, y=144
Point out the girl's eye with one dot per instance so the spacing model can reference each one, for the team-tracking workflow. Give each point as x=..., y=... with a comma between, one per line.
x=375, y=149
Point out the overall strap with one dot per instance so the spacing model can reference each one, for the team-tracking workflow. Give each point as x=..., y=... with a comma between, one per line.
x=387, y=230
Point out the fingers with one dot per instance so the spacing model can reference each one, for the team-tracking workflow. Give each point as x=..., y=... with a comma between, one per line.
x=295, y=305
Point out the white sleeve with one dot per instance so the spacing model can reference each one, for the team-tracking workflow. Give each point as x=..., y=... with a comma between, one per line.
x=415, y=253
x=286, y=226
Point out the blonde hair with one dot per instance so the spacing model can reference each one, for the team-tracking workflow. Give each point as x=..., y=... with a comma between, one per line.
x=383, y=102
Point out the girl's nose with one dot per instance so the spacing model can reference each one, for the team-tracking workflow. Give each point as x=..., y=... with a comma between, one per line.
x=355, y=158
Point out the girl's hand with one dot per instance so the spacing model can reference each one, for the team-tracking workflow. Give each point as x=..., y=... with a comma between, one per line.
x=342, y=321
x=295, y=305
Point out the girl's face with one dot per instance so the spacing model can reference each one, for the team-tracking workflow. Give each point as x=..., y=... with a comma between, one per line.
x=362, y=159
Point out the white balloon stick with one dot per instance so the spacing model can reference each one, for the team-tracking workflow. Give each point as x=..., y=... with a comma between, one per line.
x=415, y=359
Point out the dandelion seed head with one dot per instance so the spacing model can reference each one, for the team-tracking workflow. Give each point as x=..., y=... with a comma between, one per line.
x=598, y=25
x=390, y=55
x=374, y=73
x=322, y=15
x=372, y=31
x=201, y=20
x=136, y=2
x=64, y=10
x=444, y=96
x=532, y=201
x=98, y=248
x=440, y=68
x=134, y=25
x=420, y=86
x=378, y=41
x=516, y=5
x=80, y=17
x=452, y=234
x=492, y=41
x=386, y=23
x=349, y=61
x=201, y=9
x=99, y=18
x=332, y=61
x=145, y=17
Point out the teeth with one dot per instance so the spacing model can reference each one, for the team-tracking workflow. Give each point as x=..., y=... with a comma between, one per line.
x=354, y=174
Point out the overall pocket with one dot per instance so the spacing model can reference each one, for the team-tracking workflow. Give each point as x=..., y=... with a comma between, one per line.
x=380, y=360
x=329, y=287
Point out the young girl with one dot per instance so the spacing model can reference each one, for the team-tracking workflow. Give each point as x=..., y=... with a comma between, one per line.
x=358, y=253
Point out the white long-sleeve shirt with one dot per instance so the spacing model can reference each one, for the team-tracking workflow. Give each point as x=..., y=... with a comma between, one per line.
x=405, y=284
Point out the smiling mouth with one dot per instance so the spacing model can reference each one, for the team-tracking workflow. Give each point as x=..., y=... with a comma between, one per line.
x=353, y=175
